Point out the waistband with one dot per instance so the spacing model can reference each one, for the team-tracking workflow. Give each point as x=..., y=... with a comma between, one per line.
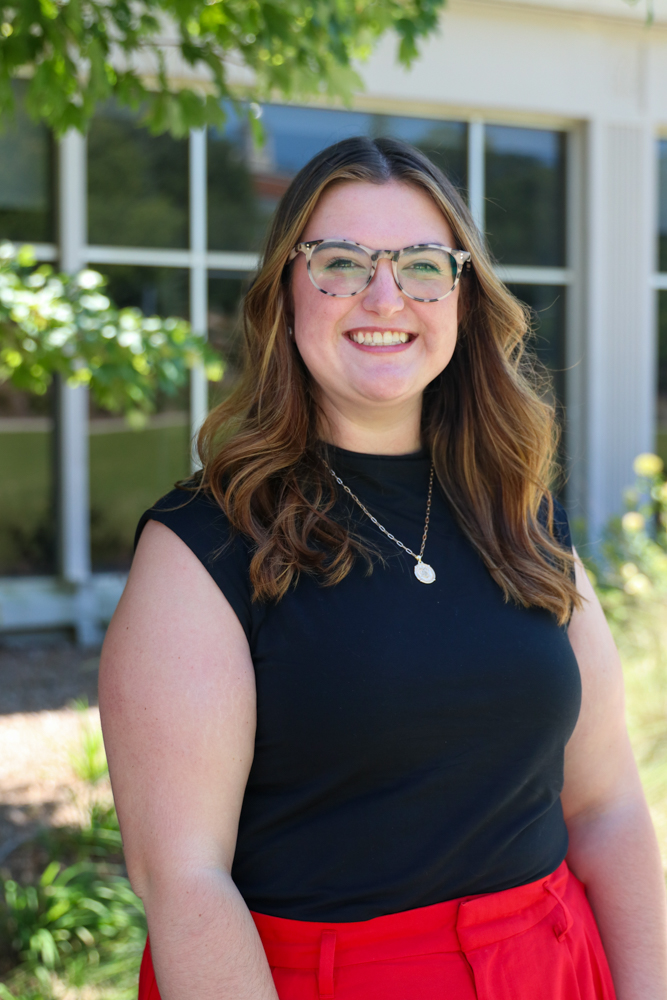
x=456, y=925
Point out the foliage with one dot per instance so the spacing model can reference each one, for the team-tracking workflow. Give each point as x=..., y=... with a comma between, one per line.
x=81, y=52
x=89, y=761
x=56, y=324
x=80, y=922
x=634, y=553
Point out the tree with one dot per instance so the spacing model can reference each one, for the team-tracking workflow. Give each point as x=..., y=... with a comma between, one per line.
x=59, y=324
x=77, y=53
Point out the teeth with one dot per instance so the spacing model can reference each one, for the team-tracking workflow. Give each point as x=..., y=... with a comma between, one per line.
x=380, y=339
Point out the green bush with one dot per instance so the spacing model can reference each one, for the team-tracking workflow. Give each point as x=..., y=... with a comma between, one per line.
x=80, y=923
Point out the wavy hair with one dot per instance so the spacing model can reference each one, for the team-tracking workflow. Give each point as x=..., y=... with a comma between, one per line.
x=490, y=431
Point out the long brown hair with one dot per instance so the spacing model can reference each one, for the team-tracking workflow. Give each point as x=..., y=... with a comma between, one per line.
x=490, y=431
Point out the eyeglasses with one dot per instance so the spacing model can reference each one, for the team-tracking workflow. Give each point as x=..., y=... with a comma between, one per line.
x=427, y=272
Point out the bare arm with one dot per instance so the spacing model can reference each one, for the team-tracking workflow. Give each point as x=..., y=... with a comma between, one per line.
x=613, y=848
x=177, y=699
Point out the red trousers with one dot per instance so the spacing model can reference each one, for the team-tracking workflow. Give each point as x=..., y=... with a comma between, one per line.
x=536, y=942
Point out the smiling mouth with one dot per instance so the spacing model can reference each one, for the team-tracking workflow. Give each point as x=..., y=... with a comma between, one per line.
x=380, y=338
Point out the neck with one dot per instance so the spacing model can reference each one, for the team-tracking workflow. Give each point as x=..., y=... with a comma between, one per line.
x=377, y=433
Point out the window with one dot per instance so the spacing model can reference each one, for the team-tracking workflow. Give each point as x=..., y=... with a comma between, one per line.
x=662, y=210
x=525, y=195
x=27, y=524
x=245, y=182
x=26, y=180
x=137, y=184
x=130, y=469
x=525, y=211
x=144, y=205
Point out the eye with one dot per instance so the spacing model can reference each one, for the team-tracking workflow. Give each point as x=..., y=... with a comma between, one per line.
x=342, y=264
x=423, y=267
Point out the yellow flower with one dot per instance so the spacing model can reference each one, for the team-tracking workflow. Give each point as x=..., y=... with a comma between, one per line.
x=647, y=465
x=638, y=584
x=633, y=521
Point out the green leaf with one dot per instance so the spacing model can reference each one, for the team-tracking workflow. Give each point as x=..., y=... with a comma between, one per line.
x=294, y=51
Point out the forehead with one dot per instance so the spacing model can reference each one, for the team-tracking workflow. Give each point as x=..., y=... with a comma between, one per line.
x=381, y=216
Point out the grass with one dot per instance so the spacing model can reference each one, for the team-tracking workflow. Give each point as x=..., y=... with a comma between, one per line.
x=129, y=470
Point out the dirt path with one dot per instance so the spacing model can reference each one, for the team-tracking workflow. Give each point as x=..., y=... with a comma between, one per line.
x=39, y=731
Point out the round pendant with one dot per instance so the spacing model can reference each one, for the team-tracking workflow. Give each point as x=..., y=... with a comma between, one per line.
x=424, y=573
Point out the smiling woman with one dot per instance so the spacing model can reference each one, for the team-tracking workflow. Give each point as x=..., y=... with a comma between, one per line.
x=363, y=714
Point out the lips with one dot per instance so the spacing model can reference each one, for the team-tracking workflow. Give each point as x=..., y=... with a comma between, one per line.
x=379, y=338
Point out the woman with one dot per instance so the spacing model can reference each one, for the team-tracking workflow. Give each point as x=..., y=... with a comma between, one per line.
x=359, y=698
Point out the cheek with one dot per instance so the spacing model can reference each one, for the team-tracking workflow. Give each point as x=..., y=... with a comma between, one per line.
x=442, y=329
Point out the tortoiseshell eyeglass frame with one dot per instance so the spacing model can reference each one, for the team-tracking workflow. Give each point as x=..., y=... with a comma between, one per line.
x=462, y=258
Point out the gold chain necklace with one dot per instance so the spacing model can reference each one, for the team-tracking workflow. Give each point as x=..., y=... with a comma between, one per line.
x=423, y=572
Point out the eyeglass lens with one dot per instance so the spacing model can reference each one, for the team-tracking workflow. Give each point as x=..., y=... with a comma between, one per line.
x=344, y=269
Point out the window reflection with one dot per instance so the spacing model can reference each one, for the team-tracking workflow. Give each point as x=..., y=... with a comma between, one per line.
x=130, y=469
x=137, y=184
x=26, y=179
x=662, y=218
x=245, y=182
x=225, y=293
x=547, y=304
x=27, y=522
x=525, y=195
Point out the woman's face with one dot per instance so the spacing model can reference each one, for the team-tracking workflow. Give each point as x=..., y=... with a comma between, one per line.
x=358, y=378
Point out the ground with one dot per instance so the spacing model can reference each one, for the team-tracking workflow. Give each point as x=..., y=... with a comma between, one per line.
x=40, y=730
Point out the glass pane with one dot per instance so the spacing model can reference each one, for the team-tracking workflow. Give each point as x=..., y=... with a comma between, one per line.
x=137, y=184
x=245, y=183
x=155, y=290
x=225, y=291
x=661, y=431
x=662, y=221
x=445, y=143
x=130, y=469
x=27, y=522
x=26, y=180
x=525, y=195
x=547, y=303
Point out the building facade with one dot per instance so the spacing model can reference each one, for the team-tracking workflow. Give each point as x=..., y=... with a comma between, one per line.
x=551, y=115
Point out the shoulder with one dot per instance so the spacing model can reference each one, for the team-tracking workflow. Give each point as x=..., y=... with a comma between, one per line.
x=191, y=513
x=197, y=519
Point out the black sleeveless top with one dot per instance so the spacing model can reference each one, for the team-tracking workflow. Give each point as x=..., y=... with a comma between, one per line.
x=410, y=737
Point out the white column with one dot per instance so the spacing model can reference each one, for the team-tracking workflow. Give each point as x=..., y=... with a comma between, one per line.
x=72, y=405
x=198, y=279
x=620, y=361
x=476, y=172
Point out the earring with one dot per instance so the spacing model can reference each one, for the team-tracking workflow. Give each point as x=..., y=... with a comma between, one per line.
x=290, y=331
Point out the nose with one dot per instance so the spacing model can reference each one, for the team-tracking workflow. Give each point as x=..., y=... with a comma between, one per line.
x=383, y=296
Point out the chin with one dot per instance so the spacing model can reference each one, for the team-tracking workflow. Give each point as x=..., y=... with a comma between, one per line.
x=385, y=391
